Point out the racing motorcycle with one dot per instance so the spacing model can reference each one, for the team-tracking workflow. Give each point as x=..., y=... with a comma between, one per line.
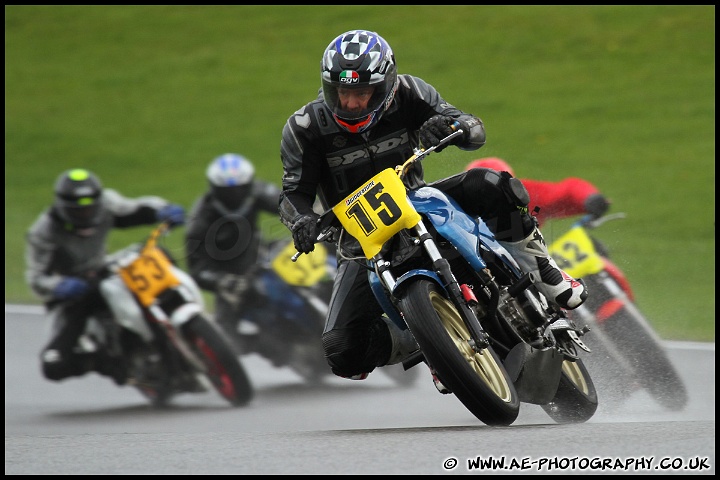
x=286, y=311
x=154, y=320
x=480, y=323
x=626, y=349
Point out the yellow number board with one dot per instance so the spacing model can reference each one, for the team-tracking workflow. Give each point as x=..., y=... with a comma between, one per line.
x=149, y=275
x=376, y=211
x=306, y=271
x=574, y=252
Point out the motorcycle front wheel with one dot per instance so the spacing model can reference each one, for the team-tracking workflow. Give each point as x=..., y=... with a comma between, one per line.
x=576, y=399
x=223, y=367
x=477, y=379
x=653, y=368
x=624, y=324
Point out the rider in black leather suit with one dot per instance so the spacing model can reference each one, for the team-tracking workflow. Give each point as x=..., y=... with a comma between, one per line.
x=365, y=119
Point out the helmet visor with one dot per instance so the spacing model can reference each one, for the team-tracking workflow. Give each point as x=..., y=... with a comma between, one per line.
x=355, y=103
x=80, y=215
x=231, y=197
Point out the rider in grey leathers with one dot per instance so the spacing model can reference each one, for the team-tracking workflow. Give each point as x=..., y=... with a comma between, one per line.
x=65, y=249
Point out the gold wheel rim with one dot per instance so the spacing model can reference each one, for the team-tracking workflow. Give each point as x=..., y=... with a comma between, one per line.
x=483, y=364
x=575, y=375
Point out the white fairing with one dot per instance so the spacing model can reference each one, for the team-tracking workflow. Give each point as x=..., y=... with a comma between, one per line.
x=128, y=313
x=191, y=292
x=184, y=313
x=124, y=307
x=192, y=288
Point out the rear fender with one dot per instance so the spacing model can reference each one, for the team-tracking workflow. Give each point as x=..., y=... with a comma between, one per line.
x=535, y=373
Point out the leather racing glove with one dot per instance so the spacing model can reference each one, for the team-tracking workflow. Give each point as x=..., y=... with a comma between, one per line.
x=71, y=288
x=172, y=213
x=596, y=205
x=304, y=232
x=438, y=127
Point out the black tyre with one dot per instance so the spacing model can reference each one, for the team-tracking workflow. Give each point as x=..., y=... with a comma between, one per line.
x=643, y=351
x=613, y=377
x=159, y=397
x=222, y=364
x=478, y=380
x=576, y=399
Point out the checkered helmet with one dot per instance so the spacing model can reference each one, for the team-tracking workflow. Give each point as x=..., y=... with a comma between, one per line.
x=358, y=59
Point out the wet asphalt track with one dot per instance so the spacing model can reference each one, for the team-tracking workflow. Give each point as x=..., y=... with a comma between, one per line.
x=90, y=426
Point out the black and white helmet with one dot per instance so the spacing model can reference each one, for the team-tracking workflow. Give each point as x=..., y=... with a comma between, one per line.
x=230, y=177
x=77, y=198
x=357, y=59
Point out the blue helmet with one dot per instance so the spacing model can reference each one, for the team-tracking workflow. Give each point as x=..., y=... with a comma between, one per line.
x=358, y=59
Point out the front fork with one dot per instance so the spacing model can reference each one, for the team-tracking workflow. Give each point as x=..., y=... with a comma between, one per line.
x=460, y=297
x=172, y=310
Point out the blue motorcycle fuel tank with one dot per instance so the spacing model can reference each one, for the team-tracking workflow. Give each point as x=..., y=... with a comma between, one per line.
x=463, y=231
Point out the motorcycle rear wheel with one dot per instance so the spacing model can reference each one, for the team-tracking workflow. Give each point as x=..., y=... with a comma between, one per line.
x=576, y=399
x=613, y=376
x=224, y=369
x=478, y=380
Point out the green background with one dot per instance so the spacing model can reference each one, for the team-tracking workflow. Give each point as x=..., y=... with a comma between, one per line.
x=146, y=96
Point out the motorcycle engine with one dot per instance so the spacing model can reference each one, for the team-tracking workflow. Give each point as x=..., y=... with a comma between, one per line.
x=515, y=312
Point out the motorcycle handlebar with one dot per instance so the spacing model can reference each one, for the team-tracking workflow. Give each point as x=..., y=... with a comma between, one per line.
x=420, y=153
x=590, y=221
x=320, y=238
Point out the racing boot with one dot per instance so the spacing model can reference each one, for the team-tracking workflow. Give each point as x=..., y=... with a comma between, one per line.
x=558, y=287
x=438, y=384
x=403, y=342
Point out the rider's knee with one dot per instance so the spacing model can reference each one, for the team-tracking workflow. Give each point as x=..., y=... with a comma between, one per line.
x=355, y=351
x=55, y=371
x=505, y=188
x=57, y=365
